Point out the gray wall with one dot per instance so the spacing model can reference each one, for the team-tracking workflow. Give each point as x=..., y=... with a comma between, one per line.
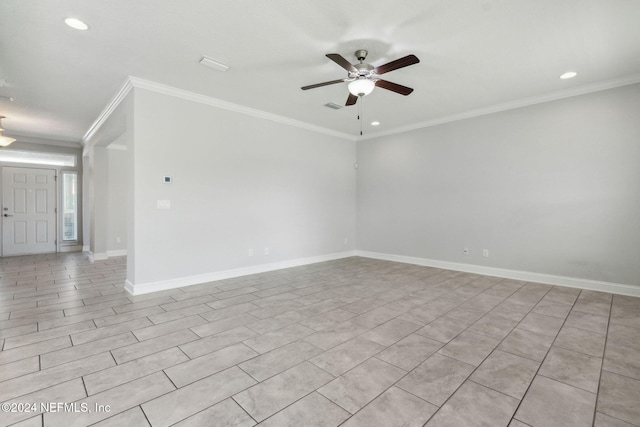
x=552, y=188
x=239, y=183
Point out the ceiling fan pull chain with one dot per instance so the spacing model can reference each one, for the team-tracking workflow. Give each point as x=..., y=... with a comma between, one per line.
x=360, y=113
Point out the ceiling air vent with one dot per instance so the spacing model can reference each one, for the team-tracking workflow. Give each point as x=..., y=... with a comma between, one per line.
x=333, y=106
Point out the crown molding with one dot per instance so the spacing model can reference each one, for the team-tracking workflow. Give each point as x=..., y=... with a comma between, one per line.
x=218, y=103
x=46, y=141
x=110, y=108
x=136, y=82
x=525, y=102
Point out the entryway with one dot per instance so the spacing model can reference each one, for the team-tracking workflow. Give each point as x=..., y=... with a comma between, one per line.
x=28, y=211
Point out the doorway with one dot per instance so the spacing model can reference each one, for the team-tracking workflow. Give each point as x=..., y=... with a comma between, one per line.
x=28, y=211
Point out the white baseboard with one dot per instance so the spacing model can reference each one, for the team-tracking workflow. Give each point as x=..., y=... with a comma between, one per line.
x=97, y=257
x=128, y=286
x=117, y=252
x=145, y=288
x=571, y=282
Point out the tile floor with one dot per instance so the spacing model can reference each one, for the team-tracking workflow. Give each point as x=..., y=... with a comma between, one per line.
x=353, y=342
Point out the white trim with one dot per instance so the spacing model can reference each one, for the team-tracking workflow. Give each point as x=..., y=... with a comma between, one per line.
x=580, y=90
x=110, y=108
x=117, y=252
x=132, y=82
x=20, y=137
x=86, y=248
x=70, y=248
x=97, y=257
x=215, y=102
x=117, y=147
x=128, y=286
x=571, y=282
x=145, y=288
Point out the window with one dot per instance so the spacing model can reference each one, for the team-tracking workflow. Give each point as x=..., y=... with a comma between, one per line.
x=38, y=158
x=69, y=206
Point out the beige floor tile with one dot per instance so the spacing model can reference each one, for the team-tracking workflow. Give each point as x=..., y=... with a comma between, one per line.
x=280, y=359
x=225, y=413
x=470, y=348
x=527, y=344
x=580, y=340
x=393, y=408
x=410, y=351
x=270, y=396
x=186, y=401
x=572, y=368
x=138, y=368
x=46, y=378
x=345, y=356
x=541, y=324
x=312, y=410
x=552, y=403
x=336, y=335
x=506, y=373
x=272, y=340
x=443, y=329
x=119, y=399
x=362, y=384
x=81, y=351
x=19, y=368
x=131, y=417
x=436, y=379
x=141, y=349
x=618, y=397
x=391, y=332
x=473, y=404
x=603, y=420
x=211, y=363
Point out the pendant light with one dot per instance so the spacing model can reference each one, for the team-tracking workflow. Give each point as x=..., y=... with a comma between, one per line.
x=4, y=140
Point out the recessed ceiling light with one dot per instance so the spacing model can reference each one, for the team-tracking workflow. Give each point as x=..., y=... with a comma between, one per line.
x=76, y=23
x=376, y=123
x=568, y=75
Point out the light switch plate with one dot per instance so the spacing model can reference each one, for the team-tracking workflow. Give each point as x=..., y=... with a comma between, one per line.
x=164, y=204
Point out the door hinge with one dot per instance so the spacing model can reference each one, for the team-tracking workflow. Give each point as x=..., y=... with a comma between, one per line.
x=55, y=210
x=55, y=177
x=55, y=242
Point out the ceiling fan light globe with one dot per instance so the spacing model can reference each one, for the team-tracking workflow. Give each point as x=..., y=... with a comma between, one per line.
x=361, y=87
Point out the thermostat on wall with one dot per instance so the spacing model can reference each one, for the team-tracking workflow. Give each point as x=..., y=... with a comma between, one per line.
x=167, y=180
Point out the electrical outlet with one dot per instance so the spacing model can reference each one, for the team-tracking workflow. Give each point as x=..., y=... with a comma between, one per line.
x=118, y=240
x=267, y=251
x=250, y=252
x=465, y=251
x=346, y=241
x=485, y=253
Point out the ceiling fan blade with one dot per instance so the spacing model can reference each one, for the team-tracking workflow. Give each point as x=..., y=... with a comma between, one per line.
x=332, y=82
x=398, y=63
x=394, y=87
x=351, y=100
x=341, y=61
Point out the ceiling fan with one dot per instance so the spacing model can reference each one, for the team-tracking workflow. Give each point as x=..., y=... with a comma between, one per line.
x=364, y=77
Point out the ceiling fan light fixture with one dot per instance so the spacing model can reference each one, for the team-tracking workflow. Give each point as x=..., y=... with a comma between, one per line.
x=568, y=75
x=77, y=24
x=361, y=87
x=4, y=140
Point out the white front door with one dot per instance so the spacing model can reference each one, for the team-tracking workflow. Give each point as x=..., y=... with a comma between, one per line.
x=28, y=211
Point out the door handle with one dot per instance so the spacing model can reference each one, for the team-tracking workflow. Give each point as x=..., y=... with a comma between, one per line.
x=7, y=215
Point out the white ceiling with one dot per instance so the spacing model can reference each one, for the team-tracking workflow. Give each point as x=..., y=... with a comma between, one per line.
x=475, y=54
